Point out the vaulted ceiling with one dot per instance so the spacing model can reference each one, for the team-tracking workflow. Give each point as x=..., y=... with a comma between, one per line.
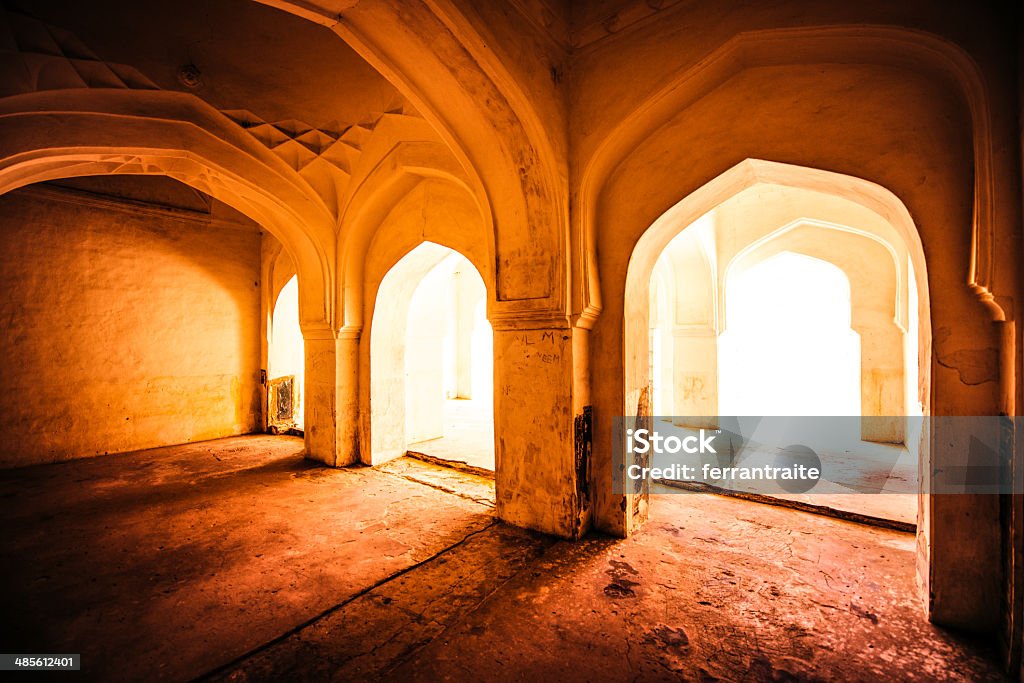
x=250, y=57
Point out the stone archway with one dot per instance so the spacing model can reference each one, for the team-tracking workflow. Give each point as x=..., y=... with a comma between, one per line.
x=175, y=135
x=750, y=173
x=407, y=339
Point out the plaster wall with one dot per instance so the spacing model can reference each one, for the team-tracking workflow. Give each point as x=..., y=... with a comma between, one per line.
x=126, y=328
x=426, y=327
x=469, y=341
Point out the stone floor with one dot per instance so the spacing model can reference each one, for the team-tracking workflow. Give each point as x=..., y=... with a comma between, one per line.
x=237, y=560
x=862, y=479
x=468, y=435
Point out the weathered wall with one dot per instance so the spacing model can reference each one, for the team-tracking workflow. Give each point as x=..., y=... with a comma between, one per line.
x=126, y=325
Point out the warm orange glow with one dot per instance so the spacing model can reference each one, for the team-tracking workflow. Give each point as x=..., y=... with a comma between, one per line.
x=514, y=246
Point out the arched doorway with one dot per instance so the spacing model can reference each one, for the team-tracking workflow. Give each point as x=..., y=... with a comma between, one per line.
x=189, y=141
x=787, y=300
x=286, y=362
x=431, y=361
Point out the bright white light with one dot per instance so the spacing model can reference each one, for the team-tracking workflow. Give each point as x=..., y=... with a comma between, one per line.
x=788, y=348
x=482, y=344
x=448, y=347
x=286, y=353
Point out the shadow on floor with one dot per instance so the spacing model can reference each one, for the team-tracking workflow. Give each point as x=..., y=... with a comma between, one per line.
x=235, y=560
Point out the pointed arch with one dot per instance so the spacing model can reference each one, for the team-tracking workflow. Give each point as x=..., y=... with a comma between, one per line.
x=60, y=134
x=882, y=45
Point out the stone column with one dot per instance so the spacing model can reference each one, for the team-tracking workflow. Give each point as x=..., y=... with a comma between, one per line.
x=331, y=398
x=539, y=390
x=883, y=395
x=347, y=397
x=321, y=415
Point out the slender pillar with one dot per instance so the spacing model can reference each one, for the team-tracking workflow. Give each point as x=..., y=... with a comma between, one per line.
x=883, y=395
x=349, y=449
x=321, y=414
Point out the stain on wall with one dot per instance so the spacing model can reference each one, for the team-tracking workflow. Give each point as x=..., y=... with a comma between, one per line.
x=583, y=448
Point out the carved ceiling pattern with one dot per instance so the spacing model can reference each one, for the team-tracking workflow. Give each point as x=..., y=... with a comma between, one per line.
x=37, y=56
x=324, y=156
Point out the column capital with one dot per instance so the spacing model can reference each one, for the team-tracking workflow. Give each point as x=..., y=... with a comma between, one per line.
x=517, y=321
x=316, y=329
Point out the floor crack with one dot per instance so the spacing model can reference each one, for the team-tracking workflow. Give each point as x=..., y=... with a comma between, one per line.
x=444, y=489
x=334, y=608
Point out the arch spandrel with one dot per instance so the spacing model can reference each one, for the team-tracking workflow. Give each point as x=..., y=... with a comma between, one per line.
x=515, y=161
x=947, y=64
x=407, y=173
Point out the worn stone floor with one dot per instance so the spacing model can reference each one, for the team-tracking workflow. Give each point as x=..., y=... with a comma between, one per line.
x=236, y=560
x=169, y=562
x=469, y=441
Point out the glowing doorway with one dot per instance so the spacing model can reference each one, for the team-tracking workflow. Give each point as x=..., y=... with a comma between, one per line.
x=787, y=301
x=286, y=360
x=431, y=361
